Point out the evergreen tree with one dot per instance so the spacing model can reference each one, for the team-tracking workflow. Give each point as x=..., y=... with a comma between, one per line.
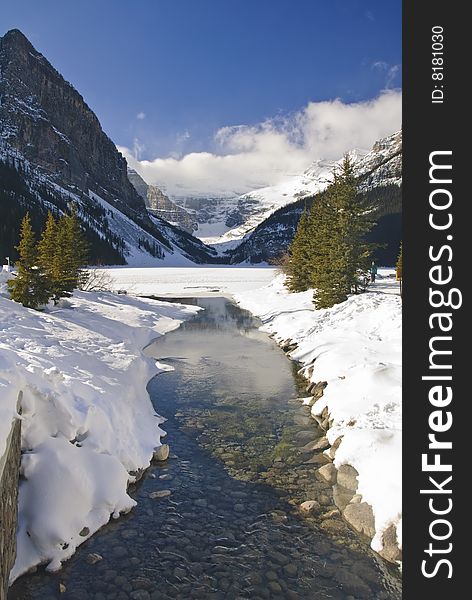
x=329, y=252
x=70, y=255
x=47, y=253
x=78, y=247
x=30, y=286
x=399, y=268
x=326, y=266
x=298, y=261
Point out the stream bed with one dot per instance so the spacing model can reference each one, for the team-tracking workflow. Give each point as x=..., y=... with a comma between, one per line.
x=225, y=522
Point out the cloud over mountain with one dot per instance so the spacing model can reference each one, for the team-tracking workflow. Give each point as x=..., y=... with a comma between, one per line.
x=246, y=157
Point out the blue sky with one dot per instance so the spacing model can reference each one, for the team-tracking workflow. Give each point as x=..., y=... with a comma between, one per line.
x=164, y=76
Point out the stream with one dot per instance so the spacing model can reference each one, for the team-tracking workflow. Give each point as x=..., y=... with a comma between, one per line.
x=226, y=524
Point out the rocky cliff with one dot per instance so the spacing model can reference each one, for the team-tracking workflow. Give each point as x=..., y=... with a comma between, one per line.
x=55, y=142
x=160, y=205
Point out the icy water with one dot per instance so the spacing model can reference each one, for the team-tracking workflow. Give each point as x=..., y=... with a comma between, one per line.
x=229, y=527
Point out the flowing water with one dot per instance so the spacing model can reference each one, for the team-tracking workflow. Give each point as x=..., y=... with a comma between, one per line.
x=229, y=526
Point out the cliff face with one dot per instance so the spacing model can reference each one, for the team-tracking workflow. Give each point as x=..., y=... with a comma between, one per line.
x=160, y=205
x=56, y=144
x=47, y=120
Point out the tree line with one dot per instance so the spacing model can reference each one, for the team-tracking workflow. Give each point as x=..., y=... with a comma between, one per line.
x=329, y=252
x=51, y=268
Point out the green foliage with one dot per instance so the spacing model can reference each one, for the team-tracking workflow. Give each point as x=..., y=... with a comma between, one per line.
x=296, y=263
x=30, y=286
x=399, y=265
x=18, y=195
x=53, y=268
x=329, y=252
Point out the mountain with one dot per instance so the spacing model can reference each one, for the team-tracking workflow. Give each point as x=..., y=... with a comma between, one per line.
x=53, y=151
x=380, y=178
x=225, y=221
x=160, y=205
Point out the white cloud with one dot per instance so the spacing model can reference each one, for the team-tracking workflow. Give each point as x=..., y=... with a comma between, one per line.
x=252, y=156
x=141, y=115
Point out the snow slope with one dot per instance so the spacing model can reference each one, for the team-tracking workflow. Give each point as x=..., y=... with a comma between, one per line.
x=87, y=420
x=356, y=348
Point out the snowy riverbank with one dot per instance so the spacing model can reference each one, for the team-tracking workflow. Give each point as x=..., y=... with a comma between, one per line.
x=87, y=420
x=356, y=348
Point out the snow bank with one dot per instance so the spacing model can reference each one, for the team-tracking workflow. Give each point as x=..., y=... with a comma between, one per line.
x=356, y=347
x=87, y=420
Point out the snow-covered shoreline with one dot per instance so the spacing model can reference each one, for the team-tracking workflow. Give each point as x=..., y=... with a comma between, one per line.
x=356, y=348
x=87, y=421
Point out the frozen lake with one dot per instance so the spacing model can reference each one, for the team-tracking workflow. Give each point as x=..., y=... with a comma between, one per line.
x=194, y=281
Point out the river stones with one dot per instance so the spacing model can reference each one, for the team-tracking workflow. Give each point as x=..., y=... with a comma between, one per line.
x=353, y=584
x=328, y=473
x=317, y=459
x=304, y=436
x=361, y=518
x=93, y=558
x=319, y=444
x=310, y=506
x=342, y=496
x=162, y=453
x=390, y=550
x=347, y=477
x=159, y=494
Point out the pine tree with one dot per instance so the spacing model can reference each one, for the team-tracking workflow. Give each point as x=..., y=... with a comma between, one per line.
x=298, y=261
x=30, y=286
x=70, y=255
x=326, y=266
x=399, y=268
x=47, y=253
x=78, y=248
x=329, y=252
x=349, y=254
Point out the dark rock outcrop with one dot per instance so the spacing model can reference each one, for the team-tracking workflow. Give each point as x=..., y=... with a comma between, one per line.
x=48, y=122
x=60, y=152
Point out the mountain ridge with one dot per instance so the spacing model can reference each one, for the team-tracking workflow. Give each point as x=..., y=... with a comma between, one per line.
x=55, y=141
x=380, y=179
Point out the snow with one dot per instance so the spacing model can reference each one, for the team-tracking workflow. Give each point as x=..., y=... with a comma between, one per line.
x=258, y=205
x=87, y=420
x=356, y=347
x=194, y=281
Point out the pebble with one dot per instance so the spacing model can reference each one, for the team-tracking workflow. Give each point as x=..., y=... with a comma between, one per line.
x=275, y=587
x=162, y=453
x=160, y=494
x=310, y=506
x=93, y=558
x=291, y=569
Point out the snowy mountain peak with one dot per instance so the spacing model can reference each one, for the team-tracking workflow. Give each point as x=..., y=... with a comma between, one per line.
x=251, y=209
